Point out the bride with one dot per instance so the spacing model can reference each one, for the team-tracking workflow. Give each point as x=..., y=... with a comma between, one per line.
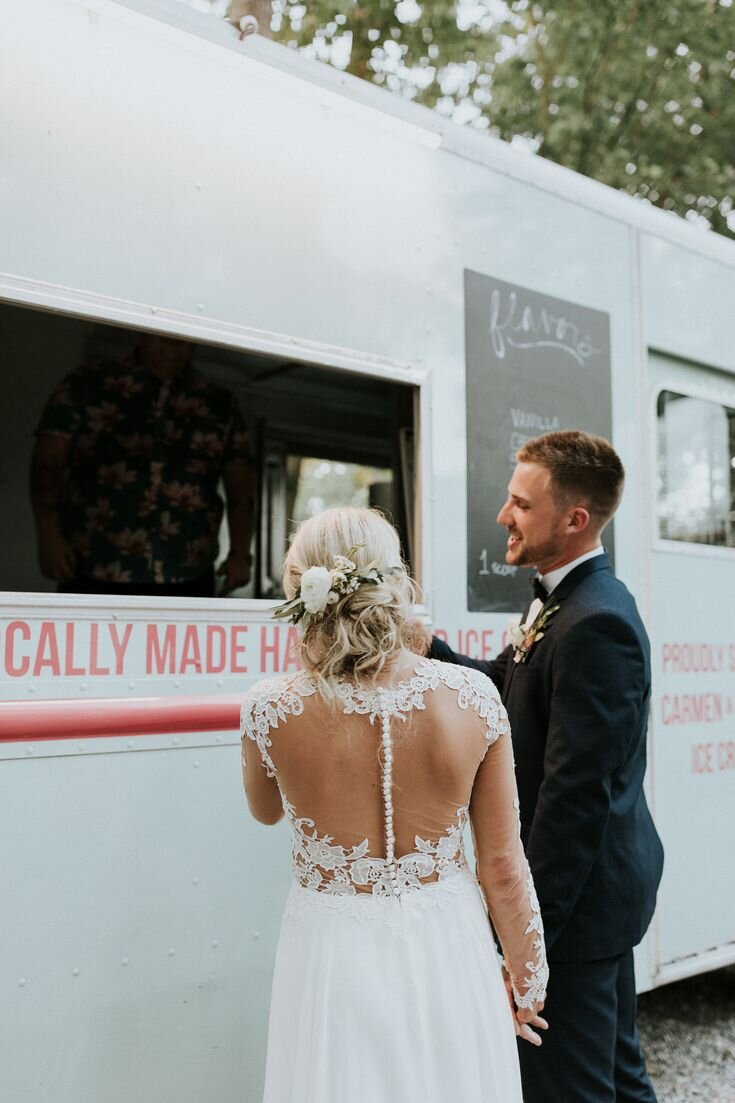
x=387, y=985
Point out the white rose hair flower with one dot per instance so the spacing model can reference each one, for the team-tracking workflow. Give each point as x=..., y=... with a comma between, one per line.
x=315, y=586
x=322, y=587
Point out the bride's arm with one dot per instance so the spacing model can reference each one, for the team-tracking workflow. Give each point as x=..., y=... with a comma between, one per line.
x=506, y=878
x=262, y=792
x=258, y=769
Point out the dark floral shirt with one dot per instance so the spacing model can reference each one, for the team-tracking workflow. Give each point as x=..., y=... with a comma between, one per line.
x=140, y=501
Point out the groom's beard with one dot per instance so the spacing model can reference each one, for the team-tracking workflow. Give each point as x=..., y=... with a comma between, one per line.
x=530, y=555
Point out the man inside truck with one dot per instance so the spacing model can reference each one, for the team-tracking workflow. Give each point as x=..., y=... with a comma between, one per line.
x=125, y=475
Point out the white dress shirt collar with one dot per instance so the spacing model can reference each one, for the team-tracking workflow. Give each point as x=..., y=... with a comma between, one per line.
x=551, y=580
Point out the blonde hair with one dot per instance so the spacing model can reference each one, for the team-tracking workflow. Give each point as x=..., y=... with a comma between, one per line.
x=362, y=631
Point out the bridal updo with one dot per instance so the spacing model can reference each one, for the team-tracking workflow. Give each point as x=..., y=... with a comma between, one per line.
x=358, y=634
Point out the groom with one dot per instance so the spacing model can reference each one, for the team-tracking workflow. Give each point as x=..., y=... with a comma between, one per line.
x=576, y=686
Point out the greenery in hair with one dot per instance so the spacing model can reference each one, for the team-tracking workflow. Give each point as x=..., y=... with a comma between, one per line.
x=321, y=587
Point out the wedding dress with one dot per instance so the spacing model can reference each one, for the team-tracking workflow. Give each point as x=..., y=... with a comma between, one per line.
x=387, y=985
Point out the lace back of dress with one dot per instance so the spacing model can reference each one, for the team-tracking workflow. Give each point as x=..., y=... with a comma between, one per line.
x=426, y=778
x=321, y=862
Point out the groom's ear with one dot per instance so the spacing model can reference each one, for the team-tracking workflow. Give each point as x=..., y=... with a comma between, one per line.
x=578, y=519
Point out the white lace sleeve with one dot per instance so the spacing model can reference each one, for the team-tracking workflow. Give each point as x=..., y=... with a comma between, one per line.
x=475, y=691
x=267, y=704
x=529, y=985
x=486, y=701
x=503, y=869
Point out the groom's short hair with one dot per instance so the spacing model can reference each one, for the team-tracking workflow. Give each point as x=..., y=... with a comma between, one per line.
x=583, y=468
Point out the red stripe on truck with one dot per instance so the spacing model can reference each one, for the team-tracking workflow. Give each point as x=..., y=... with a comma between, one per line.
x=104, y=718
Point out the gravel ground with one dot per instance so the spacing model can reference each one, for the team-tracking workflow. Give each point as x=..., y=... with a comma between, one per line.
x=688, y=1034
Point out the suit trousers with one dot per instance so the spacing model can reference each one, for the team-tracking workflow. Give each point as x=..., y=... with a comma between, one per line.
x=591, y=1052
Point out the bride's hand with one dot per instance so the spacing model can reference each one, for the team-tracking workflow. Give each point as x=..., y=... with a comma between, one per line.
x=523, y=1020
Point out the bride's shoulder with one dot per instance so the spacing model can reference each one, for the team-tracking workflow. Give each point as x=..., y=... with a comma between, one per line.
x=283, y=694
x=474, y=692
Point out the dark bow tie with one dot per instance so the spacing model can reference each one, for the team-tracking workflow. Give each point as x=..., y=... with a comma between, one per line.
x=539, y=590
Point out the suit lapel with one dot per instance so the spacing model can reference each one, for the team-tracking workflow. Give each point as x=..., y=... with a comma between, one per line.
x=560, y=592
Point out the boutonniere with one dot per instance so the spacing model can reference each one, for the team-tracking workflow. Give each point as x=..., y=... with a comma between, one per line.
x=524, y=636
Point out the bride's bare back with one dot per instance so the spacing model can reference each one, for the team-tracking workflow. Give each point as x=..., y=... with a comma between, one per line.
x=378, y=786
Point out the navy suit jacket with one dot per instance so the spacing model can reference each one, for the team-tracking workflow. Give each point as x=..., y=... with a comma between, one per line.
x=578, y=709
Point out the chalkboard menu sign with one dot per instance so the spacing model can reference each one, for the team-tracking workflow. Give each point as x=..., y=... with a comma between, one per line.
x=534, y=364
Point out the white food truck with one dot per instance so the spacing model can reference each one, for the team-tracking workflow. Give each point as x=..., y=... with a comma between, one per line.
x=397, y=303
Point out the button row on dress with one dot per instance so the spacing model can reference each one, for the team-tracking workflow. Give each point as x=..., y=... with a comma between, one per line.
x=387, y=767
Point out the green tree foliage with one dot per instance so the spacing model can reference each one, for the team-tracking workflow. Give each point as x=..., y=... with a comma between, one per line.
x=639, y=94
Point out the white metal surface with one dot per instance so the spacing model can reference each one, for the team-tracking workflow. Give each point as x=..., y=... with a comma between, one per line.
x=138, y=929
x=162, y=174
x=693, y=721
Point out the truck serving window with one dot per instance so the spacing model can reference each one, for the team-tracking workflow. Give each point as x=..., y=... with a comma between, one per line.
x=311, y=485
x=696, y=470
x=146, y=473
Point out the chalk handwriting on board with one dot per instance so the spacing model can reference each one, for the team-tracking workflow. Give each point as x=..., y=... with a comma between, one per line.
x=526, y=327
x=495, y=568
x=525, y=419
